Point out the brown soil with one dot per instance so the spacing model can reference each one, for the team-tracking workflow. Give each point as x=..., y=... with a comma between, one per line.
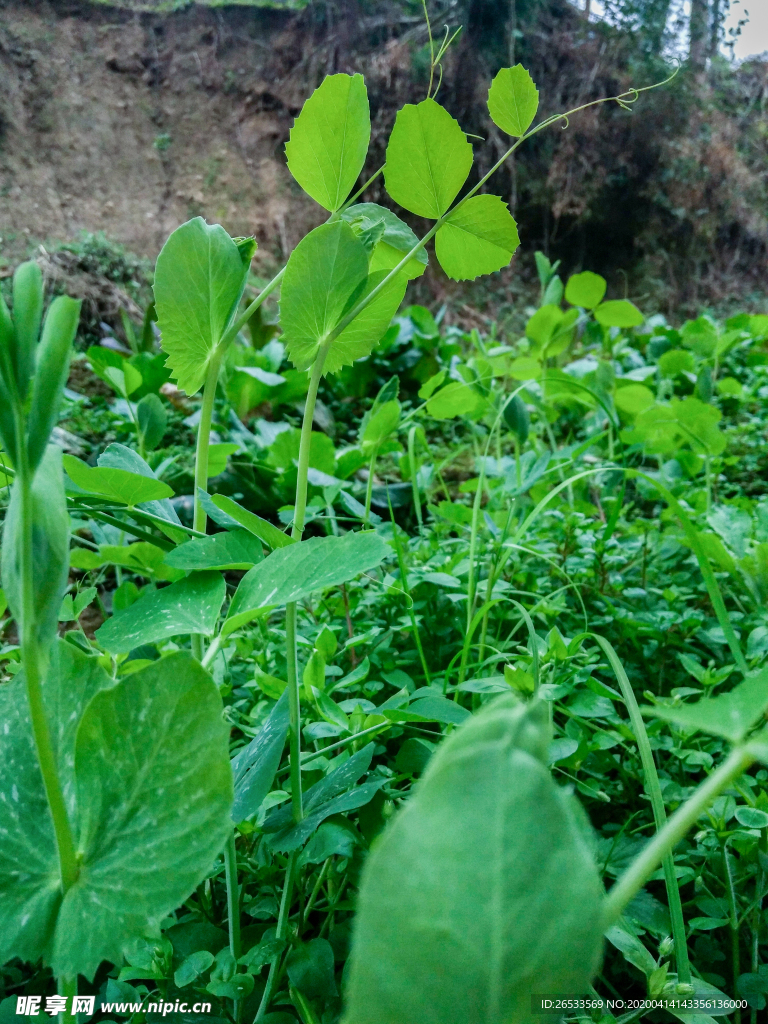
x=131, y=124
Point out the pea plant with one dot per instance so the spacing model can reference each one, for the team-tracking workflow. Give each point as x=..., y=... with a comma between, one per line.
x=117, y=792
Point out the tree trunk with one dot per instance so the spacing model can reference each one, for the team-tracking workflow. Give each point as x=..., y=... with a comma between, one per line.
x=698, y=33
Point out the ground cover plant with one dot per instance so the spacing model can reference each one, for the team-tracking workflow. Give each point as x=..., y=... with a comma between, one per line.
x=328, y=754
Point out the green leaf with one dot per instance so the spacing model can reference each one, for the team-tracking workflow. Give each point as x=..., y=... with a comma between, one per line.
x=310, y=967
x=259, y=527
x=152, y=419
x=120, y=485
x=632, y=949
x=585, y=290
x=751, y=817
x=432, y=708
x=332, y=795
x=633, y=398
x=329, y=140
x=52, y=368
x=199, y=278
x=731, y=715
x=27, y=314
x=50, y=548
x=324, y=271
x=327, y=274
x=478, y=238
x=232, y=549
x=192, y=968
x=618, y=313
x=382, y=422
x=218, y=456
x=361, y=336
x=395, y=241
x=124, y=379
x=119, y=456
x=147, y=832
x=428, y=159
x=676, y=361
x=295, y=572
x=190, y=606
x=254, y=767
x=455, y=399
x=513, y=100
x=453, y=929
x=516, y=417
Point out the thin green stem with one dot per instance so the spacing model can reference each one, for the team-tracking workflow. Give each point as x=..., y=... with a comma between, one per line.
x=653, y=789
x=280, y=933
x=237, y=325
x=33, y=672
x=407, y=592
x=414, y=480
x=640, y=870
x=233, y=905
x=201, y=460
x=233, y=895
x=299, y=513
x=67, y=987
x=369, y=486
x=733, y=916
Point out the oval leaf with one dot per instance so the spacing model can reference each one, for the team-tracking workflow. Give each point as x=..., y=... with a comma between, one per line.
x=329, y=140
x=482, y=891
x=199, y=278
x=618, y=313
x=119, y=484
x=513, y=100
x=479, y=238
x=585, y=290
x=428, y=159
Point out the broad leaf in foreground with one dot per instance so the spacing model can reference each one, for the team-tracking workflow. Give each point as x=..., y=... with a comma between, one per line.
x=482, y=891
x=145, y=769
x=199, y=278
x=731, y=715
x=293, y=573
x=428, y=159
x=329, y=140
x=190, y=606
x=478, y=238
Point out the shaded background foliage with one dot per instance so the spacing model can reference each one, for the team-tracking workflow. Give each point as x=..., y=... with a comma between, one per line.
x=133, y=115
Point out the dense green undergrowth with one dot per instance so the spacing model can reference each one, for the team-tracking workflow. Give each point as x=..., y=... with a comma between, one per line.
x=502, y=536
